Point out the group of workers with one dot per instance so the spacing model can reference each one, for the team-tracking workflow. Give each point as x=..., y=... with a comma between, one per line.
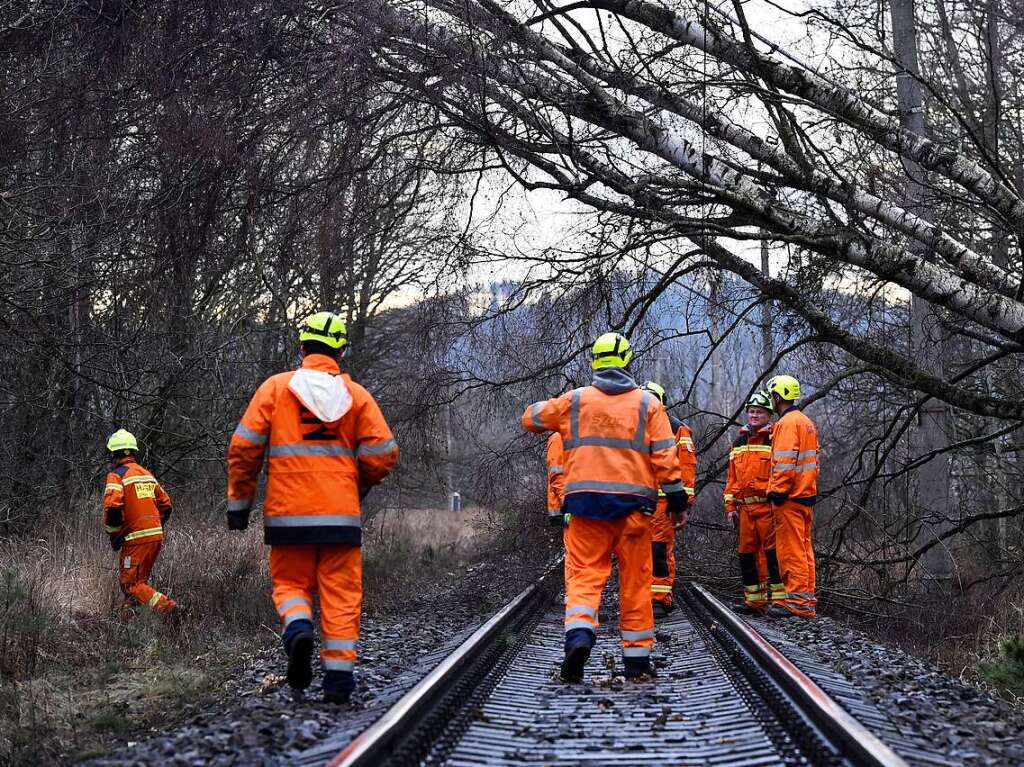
x=621, y=475
x=621, y=471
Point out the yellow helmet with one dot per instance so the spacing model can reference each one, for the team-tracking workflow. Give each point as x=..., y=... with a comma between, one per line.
x=326, y=327
x=121, y=440
x=787, y=387
x=611, y=350
x=656, y=389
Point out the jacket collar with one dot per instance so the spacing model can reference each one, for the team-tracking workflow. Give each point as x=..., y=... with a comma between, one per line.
x=321, y=362
x=614, y=381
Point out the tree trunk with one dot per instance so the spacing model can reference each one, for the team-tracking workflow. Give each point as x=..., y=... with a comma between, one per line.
x=932, y=506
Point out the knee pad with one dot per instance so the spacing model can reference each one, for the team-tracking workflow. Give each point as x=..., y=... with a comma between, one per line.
x=659, y=557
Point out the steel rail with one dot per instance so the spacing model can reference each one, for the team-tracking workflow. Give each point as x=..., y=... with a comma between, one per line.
x=378, y=742
x=846, y=734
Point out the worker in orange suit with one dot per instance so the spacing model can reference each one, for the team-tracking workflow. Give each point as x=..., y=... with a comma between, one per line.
x=326, y=444
x=663, y=531
x=792, y=492
x=619, y=449
x=135, y=510
x=747, y=507
x=556, y=480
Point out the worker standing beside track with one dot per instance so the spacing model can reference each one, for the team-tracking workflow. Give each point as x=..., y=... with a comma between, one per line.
x=135, y=510
x=618, y=449
x=663, y=531
x=327, y=445
x=792, y=492
x=747, y=507
x=556, y=480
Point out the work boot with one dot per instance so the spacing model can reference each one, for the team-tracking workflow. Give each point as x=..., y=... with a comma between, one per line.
x=742, y=608
x=298, y=643
x=577, y=651
x=638, y=668
x=779, y=613
x=338, y=686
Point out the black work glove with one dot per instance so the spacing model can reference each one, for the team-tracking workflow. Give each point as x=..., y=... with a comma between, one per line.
x=238, y=520
x=777, y=498
x=166, y=516
x=555, y=520
x=116, y=542
x=676, y=503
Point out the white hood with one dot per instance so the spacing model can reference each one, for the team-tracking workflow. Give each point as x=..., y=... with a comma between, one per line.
x=323, y=394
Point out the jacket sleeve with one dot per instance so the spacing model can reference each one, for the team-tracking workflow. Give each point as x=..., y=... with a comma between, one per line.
x=662, y=446
x=163, y=503
x=556, y=474
x=377, y=450
x=546, y=415
x=113, y=504
x=248, y=443
x=730, y=485
x=785, y=449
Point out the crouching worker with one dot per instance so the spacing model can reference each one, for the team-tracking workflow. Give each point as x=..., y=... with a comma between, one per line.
x=747, y=507
x=619, y=449
x=135, y=510
x=327, y=444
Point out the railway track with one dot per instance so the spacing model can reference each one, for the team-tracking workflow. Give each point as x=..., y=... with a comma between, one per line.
x=724, y=696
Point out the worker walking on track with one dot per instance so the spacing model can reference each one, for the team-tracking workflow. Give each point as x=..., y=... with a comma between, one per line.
x=747, y=507
x=327, y=444
x=619, y=449
x=663, y=530
x=135, y=510
x=556, y=480
x=792, y=492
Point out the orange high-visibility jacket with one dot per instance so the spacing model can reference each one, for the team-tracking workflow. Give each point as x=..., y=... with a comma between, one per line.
x=618, y=446
x=134, y=504
x=315, y=470
x=556, y=474
x=750, y=467
x=687, y=456
x=795, y=457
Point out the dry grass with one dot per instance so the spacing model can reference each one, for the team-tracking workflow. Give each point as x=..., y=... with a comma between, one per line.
x=76, y=676
x=77, y=671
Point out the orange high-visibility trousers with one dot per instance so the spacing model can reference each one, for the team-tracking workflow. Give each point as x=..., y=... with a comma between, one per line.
x=589, y=544
x=795, y=548
x=755, y=545
x=663, y=554
x=136, y=562
x=335, y=572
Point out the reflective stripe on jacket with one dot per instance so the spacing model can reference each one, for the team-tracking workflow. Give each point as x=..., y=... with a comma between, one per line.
x=795, y=457
x=134, y=503
x=314, y=469
x=750, y=467
x=556, y=474
x=618, y=444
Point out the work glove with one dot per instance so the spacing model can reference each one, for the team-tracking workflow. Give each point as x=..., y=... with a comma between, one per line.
x=364, y=490
x=238, y=520
x=777, y=498
x=734, y=519
x=116, y=542
x=677, y=502
x=555, y=520
x=165, y=516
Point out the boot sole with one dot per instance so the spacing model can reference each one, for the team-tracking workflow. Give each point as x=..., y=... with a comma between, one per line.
x=572, y=666
x=300, y=654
